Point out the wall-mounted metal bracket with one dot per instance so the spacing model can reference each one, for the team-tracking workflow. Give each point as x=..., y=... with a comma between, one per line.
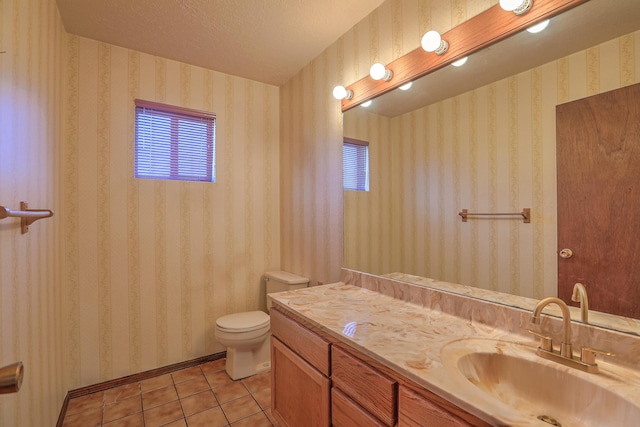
x=27, y=216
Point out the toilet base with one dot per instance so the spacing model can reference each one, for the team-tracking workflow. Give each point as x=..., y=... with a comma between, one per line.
x=245, y=363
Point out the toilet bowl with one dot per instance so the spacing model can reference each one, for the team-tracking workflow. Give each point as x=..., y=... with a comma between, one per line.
x=246, y=335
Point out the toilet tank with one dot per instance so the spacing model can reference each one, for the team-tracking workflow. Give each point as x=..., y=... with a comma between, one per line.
x=280, y=281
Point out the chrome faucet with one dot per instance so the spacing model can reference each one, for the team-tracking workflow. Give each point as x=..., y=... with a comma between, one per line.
x=565, y=346
x=580, y=295
x=587, y=360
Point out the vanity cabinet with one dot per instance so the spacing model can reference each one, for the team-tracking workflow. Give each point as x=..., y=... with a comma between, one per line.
x=318, y=381
x=300, y=391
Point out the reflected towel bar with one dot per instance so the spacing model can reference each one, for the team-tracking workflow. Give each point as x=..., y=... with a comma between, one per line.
x=525, y=214
x=27, y=216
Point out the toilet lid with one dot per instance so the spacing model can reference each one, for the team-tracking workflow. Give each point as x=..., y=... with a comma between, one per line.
x=246, y=321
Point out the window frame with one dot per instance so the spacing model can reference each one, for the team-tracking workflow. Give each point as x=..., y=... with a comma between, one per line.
x=174, y=112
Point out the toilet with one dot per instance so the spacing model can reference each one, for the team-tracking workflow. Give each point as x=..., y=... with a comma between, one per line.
x=246, y=335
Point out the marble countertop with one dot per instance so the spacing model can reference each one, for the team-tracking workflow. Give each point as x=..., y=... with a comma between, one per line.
x=417, y=343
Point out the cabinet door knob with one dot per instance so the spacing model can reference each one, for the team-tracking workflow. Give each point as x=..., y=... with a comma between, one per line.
x=566, y=253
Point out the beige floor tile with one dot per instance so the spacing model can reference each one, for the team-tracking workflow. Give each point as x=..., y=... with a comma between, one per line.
x=192, y=386
x=81, y=404
x=156, y=383
x=187, y=374
x=198, y=402
x=240, y=408
x=209, y=418
x=164, y=414
x=121, y=393
x=180, y=399
x=179, y=423
x=159, y=397
x=211, y=367
x=230, y=391
x=122, y=408
x=257, y=420
x=258, y=382
x=218, y=379
x=263, y=397
x=89, y=418
x=135, y=420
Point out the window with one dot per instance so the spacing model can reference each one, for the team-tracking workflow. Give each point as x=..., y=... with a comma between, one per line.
x=355, y=155
x=174, y=143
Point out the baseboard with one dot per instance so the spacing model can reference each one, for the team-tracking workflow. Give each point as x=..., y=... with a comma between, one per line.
x=134, y=378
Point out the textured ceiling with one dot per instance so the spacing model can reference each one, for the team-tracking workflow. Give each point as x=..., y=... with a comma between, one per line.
x=263, y=40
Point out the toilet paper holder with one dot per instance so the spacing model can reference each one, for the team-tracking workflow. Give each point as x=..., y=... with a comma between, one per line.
x=11, y=377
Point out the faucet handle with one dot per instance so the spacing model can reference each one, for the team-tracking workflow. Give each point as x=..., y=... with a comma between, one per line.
x=545, y=340
x=588, y=355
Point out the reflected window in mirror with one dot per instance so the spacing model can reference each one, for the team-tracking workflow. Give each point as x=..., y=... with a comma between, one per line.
x=355, y=155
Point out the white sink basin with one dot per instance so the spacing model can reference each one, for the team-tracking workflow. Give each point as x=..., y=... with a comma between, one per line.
x=544, y=392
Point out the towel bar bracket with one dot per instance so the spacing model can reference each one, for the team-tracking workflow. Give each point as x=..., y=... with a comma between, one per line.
x=27, y=216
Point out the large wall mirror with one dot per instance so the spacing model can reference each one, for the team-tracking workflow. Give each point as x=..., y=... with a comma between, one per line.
x=482, y=137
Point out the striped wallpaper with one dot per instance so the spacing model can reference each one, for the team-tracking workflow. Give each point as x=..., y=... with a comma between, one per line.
x=311, y=127
x=149, y=265
x=31, y=292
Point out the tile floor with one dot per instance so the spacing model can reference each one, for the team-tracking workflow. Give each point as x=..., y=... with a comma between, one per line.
x=203, y=395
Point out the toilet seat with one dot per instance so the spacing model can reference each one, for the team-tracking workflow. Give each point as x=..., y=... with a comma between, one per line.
x=243, y=322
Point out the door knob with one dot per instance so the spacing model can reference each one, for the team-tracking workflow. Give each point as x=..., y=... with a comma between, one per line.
x=566, y=253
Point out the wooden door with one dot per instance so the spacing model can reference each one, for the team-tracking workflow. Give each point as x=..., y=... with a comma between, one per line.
x=598, y=161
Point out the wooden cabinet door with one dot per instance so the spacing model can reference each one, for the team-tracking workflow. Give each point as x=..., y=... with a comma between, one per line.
x=300, y=395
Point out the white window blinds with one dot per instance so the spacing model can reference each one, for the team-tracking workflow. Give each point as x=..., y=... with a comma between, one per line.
x=355, y=155
x=174, y=143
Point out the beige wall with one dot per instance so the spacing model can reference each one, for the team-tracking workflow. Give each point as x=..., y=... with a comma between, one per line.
x=311, y=126
x=31, y=293
x=149, y=265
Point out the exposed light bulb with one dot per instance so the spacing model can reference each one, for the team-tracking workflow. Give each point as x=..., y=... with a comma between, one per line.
x=366, y=103
x=460, y=62
x=516, y=6
x=379, y=72
x=406, y=86
x=432, y=42
x=510, y=5
x=340, y=92
x=538, y=27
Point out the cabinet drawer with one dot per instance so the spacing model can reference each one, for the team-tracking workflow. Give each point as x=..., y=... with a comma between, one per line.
x=427, y=409
x=365, y=385
x=307, y=344
x=347, y=413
